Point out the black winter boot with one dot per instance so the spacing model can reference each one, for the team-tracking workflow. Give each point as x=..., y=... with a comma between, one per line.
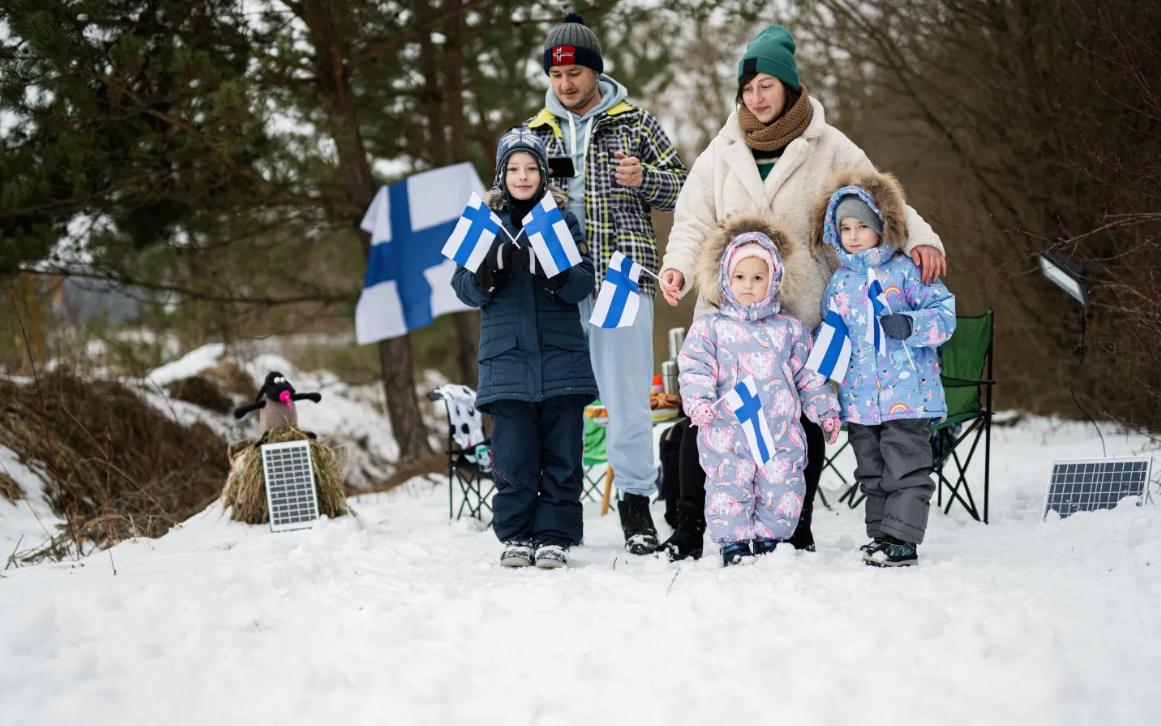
x=688, y=537
x=764, y=546
x=637, y=524
x=733, y=554
x=891, y=552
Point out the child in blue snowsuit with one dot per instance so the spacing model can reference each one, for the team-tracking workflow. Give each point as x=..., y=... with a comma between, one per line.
x=535, y=374
x=888, y=400
x=741, y=270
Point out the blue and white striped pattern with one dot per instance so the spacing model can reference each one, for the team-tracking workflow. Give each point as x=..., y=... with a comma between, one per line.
x=550, y=237
x=831, y=355
x=473, y=235
x=620, y=294
x=744, y=403
x=876, y=306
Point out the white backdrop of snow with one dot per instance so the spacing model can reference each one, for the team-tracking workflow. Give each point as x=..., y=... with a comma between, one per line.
x=399, y=617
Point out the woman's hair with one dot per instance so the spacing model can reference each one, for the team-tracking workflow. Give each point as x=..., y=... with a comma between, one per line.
x=791, y=94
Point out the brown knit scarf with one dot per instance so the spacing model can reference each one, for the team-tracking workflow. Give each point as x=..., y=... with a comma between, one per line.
x=786, y=128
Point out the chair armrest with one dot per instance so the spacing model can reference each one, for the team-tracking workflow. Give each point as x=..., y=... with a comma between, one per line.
x=949, y=382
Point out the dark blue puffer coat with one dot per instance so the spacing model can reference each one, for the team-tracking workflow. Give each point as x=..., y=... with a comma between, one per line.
x=532, y=345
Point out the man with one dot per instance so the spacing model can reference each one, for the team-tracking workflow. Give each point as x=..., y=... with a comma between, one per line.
x=624, y=166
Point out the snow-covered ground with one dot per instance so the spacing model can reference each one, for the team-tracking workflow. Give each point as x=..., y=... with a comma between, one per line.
x=398, y=617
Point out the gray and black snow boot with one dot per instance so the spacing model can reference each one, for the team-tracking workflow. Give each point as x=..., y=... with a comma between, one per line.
x=550, y=556
x=517, y=553
x=637, y=524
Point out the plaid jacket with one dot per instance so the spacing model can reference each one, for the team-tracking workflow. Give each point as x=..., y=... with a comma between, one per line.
x=617, y=217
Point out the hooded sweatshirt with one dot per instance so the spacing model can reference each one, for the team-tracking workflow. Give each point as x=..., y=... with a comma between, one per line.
x=612, y=93
x=904, y=383
x=734, y=341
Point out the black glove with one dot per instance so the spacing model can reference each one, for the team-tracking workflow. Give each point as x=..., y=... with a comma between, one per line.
x=518, y=258
x=489, y=279
x=553, y=283
x=897, y=326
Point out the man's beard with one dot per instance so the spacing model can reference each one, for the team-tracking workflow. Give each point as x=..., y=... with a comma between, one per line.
x=584, y=100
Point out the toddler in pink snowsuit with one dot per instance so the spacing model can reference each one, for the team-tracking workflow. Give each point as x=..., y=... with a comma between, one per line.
x=748, y=335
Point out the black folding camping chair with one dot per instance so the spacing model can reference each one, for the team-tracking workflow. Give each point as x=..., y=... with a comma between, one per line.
x=966, y=373
x=465, y=433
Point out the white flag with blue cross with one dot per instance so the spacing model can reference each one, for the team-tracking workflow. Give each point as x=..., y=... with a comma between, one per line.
x=831, y=355
x=744, y=403
x=620, y=295
x=473, y=235
x=408, y=280
x=876, y=306
x=551, y=238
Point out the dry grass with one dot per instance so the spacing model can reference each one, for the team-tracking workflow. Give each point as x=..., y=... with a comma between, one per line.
x=9, y=489
x=201, y=391
x=233, y=379
x=115, y=466
x=245, y=492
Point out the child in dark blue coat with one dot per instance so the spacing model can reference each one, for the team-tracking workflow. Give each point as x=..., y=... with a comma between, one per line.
x=535, y=374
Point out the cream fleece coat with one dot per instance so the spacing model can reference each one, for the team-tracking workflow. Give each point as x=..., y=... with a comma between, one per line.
x=725, y=182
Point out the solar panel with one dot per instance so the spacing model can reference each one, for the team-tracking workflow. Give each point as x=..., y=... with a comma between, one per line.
x=290, y=493
x=1089, y=485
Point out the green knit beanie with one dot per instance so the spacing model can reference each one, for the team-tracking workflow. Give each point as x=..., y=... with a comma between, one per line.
x=771, y=52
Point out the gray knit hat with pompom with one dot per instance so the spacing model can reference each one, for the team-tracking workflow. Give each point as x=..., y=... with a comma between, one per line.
x=573, y=43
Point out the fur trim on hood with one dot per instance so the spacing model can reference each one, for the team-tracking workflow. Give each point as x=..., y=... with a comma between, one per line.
x=494, y=199
x=884, y=188
x=796, y=262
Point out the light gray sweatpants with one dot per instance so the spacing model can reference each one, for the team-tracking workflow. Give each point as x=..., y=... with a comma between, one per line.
x=622, y=361
x=894, y=468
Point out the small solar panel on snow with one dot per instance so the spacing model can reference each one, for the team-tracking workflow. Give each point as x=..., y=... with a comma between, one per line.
x=290, y=490
x=1089, y=485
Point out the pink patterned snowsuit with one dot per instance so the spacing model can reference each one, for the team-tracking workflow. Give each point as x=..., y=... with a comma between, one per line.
x=744, y=502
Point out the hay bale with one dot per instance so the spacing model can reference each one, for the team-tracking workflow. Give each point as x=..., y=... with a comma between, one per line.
x=202, y=392
x=245, y=492
x=9, y=489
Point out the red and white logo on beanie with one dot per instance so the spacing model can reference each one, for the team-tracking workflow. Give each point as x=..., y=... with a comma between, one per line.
x=564, y=55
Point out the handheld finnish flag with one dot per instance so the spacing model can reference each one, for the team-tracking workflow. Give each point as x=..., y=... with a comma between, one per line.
x=408, y=280
x=744, y=403
x=551, y=238
x=876, y=306
x=473, y=235
x=831, y=355
x=619, y=298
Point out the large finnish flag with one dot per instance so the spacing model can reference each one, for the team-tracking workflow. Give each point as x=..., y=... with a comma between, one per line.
x=473, y=235
x=551, y=238
x=876, y=306
x=744, y=403
x=620, y=296
x=408, y=280
x=831, y=355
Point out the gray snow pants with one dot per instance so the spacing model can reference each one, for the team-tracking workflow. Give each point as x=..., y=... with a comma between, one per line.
x=894, y=468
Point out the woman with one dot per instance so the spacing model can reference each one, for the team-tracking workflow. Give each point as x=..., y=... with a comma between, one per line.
x=775, y=156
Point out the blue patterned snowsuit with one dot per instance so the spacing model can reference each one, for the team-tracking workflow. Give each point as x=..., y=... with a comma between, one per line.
x=744, y=502
x=895, y=386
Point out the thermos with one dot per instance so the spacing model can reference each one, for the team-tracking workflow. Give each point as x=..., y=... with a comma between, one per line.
x=669, y=376
x=484, y=458
x=676, y=340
